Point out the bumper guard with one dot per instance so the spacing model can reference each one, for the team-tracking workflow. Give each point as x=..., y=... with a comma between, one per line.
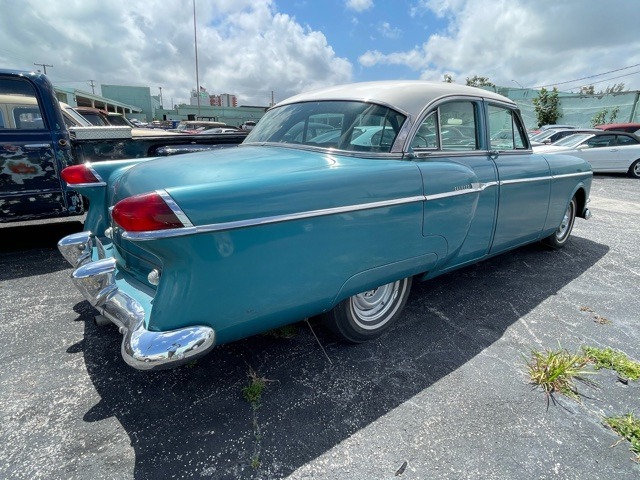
x=141, y=348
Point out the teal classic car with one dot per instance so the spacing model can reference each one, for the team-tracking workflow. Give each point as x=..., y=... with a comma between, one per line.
x=185, y=255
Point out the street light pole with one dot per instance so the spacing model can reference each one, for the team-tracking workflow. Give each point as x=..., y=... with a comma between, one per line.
x=195, y=41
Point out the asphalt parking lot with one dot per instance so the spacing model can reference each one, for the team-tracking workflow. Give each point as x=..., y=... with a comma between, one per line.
x=444, y=394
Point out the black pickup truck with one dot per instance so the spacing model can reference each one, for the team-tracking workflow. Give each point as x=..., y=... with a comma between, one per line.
x=36, y=145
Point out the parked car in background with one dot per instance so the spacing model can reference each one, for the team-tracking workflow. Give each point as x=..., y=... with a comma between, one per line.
x=620, y=127
x=547, y=127
x=550, y=136
x=220, y=245
x=605, y=151
x=195, y=126
x=220, y=130
x=248, y=125
x=138, y=123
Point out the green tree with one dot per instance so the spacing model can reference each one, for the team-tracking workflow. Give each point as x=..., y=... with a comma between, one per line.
x=600, y=118
x=547, y=107
x=477, y=81
x=448, y=78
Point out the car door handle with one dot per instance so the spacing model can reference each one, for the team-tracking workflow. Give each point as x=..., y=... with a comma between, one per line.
x=613, y=150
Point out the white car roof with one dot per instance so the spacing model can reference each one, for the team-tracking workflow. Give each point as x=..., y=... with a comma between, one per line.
x=407, y=96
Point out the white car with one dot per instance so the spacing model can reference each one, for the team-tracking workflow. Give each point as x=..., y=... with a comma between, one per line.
x=606, y=151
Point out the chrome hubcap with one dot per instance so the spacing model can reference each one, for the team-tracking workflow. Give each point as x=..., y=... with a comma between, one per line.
x=371, y=308
x=563, y=229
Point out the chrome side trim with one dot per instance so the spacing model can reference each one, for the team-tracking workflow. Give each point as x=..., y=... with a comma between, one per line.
x=578, y=174
x=33, y=146
x=190, y=229
x=87, y=185
x=546, y=177
x=474, y=187
x=216, y=227
x=141, y=348
x=174, y=208
x=526, y=180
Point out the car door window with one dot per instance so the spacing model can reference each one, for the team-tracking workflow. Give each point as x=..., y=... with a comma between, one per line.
x=626, y=140
x=427, y=134
x=19, y=99
x=458, y=126
x=600, y=141
x=506, y=132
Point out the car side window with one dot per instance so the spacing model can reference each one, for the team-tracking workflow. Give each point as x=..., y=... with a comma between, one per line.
x=458, y=126
x=20, y=103
x=427, y=134
x=506, y=132
x=600, y=141
x=626, y=140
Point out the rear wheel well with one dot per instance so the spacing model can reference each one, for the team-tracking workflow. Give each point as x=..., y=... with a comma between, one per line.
x=581, y=200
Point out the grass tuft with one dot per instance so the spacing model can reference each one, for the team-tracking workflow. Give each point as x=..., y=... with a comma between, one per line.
x=286, y=332
x=627, y=426
x=613, y=360
x=253, y=392
x=556, y=371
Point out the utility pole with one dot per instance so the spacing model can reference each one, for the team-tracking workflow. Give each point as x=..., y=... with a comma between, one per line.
x=195, y=41
x=93, y=90
x=44, y=66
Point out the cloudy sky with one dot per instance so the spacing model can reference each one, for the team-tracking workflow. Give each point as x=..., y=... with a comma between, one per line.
x=252, y=48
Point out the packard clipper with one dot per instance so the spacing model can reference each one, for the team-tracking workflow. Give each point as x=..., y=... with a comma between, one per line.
x=333, y=204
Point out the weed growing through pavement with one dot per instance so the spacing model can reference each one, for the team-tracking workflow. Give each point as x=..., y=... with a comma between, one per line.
x=613, y=360
x=627, y=426
x=286, y=332
x=253, y=393
x=556, y=371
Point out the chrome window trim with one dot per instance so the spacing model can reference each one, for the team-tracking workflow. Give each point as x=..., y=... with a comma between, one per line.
x=190, y=229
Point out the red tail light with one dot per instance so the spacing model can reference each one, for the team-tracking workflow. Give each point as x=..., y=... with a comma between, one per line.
x=145, y=213
x=78, y=174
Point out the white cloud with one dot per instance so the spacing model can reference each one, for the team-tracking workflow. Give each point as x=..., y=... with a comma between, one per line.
x=535, y=43
x=386, y=30
x=245, y=47
x=359, y=5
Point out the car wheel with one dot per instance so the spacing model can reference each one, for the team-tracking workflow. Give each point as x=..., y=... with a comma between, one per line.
x=634, y=170
x=366, y=315
x=561, y=235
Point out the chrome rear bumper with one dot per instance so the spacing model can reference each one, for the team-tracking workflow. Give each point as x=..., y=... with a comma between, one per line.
x=141, y=348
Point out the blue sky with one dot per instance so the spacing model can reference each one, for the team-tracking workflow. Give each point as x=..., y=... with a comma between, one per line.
x=258, y=48
x=387, y=26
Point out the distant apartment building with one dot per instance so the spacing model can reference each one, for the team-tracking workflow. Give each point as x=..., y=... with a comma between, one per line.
x=224, y=100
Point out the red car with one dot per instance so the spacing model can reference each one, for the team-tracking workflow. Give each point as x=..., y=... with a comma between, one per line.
x=620, y=127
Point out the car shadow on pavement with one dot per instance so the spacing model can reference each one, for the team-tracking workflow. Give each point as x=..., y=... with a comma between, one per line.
x=40, y=242
x=194, y=421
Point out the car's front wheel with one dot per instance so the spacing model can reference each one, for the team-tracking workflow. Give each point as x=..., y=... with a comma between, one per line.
x=366, y=315
x=634, y=170
x=561, y=235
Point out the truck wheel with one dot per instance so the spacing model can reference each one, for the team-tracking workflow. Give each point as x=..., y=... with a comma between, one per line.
x=366, y=315
x=561, y=235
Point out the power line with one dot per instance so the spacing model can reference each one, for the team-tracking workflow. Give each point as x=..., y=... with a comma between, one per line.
x=609, y=79
x=590, y=76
